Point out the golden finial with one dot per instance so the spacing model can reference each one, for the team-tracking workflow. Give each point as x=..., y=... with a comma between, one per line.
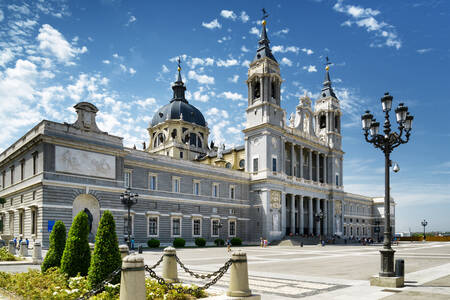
x=264, y=17
x=179, y=64
x=264, y=22
x=179, y=69
x=327, y=64
x=327, y=68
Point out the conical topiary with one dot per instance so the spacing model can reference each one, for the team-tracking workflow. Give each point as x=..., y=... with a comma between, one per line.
x=57, y=244
x=77, y=255
x=107, y=256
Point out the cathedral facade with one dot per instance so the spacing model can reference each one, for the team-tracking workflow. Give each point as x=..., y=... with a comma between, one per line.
x=285, y=179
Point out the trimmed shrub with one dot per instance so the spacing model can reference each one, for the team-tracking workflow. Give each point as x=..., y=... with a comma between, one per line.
x=219, y=242
x=6, y=256
x=106, y=258
x=57, y=244
x=179, y=243
x=201, y=242
x=236, y=241
x=77, y=255
x=153, y=243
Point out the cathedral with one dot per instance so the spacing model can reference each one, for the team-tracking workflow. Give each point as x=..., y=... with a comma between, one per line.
x=284, y=180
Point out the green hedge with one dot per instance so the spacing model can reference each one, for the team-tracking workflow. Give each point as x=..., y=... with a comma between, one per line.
x=219, y=242
x=179, y=243
x=106, y=258
x=57, y=244
x=153, y=243
x=77, y=255
x=236, y=241
x=200, y=242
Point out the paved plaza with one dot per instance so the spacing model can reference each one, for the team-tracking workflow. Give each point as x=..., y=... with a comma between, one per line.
x=315, y=272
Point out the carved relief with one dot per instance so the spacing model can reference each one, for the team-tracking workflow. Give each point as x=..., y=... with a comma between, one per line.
x=275, y=199
x=274, y=143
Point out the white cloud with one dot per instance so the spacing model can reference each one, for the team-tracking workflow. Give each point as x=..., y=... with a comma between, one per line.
x=425, y=50
x=148, y=102
x=234, y=79
x=164, y=69
x=245, y=63
x=215, y=112
x=228, y=14
x=223, y=39
x=106, y=61
x=307, y=51
x=254, y=31
x=244, y=49
x=286, y=61
x=227, y=63
x=52, y=41
x=132, y=71
x=202, y=79
x=310, y=68
x=283, y=49
x=132, y=19
x=197, y=61
x=244, y=17
x=6, y=56
x=211, y=25
x=2, y=16
x=199, y=96
x=281, y=32
x=232, y=96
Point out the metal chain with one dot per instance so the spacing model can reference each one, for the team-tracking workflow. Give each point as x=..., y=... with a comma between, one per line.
x=202, y=276
x=191, y=291
x=99, y=287
x=157, y=263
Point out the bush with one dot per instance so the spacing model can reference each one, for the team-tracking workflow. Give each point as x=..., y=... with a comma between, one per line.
x=6, y=256
x=57, y=244
x=201, y=242
x=219, y=242
x=77, y=255
x=236, y=241
x=153, y=243
x=179, y=243
x=107, y=256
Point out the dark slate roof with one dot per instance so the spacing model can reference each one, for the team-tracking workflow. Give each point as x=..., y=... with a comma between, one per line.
x=327, y=90
x=263, y=48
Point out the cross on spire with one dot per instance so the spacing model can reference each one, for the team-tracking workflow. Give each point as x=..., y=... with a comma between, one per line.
x=179, y=69
x=265, y=14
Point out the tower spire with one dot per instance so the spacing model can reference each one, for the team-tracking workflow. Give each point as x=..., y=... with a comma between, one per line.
x=327, y=90
x=178, y=86
x=264, y=48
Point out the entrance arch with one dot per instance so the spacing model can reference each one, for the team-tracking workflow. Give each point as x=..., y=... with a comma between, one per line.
x=89, y=204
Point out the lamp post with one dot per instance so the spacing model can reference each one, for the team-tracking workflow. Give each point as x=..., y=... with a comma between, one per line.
x=129, y=199
x=319, y=217
x=424, y=224
x=387, y=142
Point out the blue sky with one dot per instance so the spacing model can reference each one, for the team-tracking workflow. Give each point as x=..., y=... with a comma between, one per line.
x=120, y=55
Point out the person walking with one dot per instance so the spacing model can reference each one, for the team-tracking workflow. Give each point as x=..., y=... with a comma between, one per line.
x=228, y=245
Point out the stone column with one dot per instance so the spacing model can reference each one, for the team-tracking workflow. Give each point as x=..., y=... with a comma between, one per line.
x=325, y=168
x=310, y=164
x=282, y=158
x=333, y=222
x=23, y=249
x=318, y=221
x=123, y=250
x=37, y=253
x=301, y=161
x=325, y=217
x=132, y=281
x=310, y=215
x=239, y=277
x=317, y=167
x=169, y=263
x=292, y=214
x=292, y=159
x=300, y=211
x=283, y=213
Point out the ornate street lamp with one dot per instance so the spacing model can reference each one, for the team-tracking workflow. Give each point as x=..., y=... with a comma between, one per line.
x=424, y=224
x=387, y=142
x=319, y=217
x=129, y=199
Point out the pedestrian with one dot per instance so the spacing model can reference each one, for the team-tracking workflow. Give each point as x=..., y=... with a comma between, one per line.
x=261, y=242
x=28, y=242
x=15, y=242
x=228, y=245
x=132, y=243
x=20, y=242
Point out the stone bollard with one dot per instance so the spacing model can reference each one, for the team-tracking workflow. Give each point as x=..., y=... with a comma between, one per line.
x=170, y=272
x=123, y=250
x=92, y=247
x=11, y=248
x=23, y=249
x=239, y=277
x=132, y=278
x=37, y=253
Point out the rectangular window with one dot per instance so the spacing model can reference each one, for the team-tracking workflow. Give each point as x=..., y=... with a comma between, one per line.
x=196, y=187
x=153, y=226
x=274, y=164
x=196, y=227
x=215, y=190
x=181, y=154
x=125, y=225
x=21, y=215
x=337, y=179
x=176, y=185
x=127, y=179
x=232, y=192
x=35, y=158
x=255, y=165
x=11, y=223
x=153, y=181
x=3, y=179
x=12, y=175
x=232, y=228
x=22, y=169
x=176, y=226
x=215, y=228
x=33, y=221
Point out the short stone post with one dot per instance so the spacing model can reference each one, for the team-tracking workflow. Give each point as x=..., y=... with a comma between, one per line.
x=132, y=278
x=123, y=250
x=23, y=249
x=92, y=247
x=170, y=272
x=11, y=247
x=37, y=253
x=239, y=277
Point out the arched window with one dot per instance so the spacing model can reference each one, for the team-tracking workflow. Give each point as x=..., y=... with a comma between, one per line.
x=174, y=133
x=322, y=121
x=336, y=123
x=257, y=90
x=199, y=142
x=274, y=85
x=228, y=165
x=193, y=139
x=159, y=140
x=242, y=163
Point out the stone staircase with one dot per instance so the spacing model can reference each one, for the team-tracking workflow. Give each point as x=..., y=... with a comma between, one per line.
x=297, y=241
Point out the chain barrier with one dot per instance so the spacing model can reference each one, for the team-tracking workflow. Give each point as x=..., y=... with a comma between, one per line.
x=157, y=263
x=191, y=291
x=202, y=276
x=99, y=287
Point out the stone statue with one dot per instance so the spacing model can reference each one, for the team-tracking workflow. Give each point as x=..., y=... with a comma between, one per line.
x=90, y=218
x=292, y=120
x=220, y=151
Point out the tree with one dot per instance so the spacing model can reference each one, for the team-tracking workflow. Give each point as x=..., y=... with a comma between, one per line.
x=77, y=255
x=57, y=244
x=107, y=256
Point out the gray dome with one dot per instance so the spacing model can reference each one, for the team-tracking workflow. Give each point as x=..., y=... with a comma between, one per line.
x=174, y=109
